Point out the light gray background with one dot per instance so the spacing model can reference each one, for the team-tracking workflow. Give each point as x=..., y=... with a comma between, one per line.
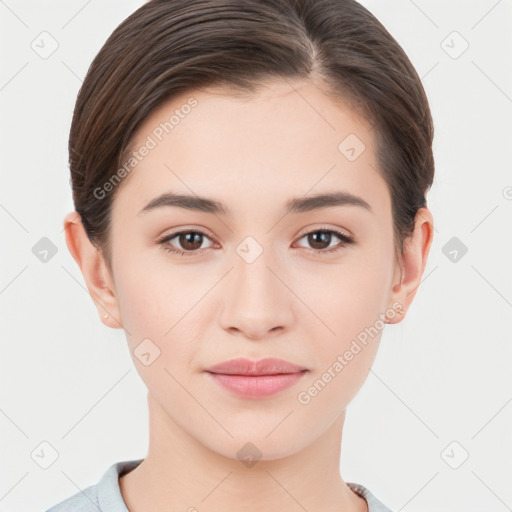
x=440, y=376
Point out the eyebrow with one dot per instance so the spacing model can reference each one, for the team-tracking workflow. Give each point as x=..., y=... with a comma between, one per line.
x=293, y=205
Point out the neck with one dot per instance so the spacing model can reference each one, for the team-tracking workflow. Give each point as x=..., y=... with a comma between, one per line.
x=179, y=473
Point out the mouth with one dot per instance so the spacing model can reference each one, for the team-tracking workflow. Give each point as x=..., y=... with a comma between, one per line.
x=256, y=379
x=267, y=366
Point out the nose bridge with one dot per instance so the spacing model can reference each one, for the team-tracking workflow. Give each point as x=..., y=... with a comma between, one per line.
x=254, y=280
x=256, y=300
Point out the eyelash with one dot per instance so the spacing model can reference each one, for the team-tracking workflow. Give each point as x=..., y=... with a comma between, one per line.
x=345, y=241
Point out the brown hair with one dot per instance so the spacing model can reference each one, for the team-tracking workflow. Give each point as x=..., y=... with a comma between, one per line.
x=168, y=47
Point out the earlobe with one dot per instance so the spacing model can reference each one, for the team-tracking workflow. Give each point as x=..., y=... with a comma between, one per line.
x=413, y=262
x=94, y=269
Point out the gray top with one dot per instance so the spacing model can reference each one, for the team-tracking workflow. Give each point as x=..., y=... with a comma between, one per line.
x=105, y=496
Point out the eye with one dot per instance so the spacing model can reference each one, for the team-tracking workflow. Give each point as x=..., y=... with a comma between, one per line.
x=191, y=241
x=321, y=239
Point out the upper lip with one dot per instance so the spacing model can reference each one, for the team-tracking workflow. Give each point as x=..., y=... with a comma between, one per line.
x=267, y=366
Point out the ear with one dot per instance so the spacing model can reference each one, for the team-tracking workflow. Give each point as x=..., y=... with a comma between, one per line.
x=94, y=269
x=412, y=263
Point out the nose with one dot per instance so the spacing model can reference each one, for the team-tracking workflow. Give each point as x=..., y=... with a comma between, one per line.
x=257, y=301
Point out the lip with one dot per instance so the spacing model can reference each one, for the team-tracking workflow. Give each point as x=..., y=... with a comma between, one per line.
x=256, y=379
x=267, y=366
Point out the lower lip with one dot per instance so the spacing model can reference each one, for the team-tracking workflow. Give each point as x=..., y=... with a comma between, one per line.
x=257, y=386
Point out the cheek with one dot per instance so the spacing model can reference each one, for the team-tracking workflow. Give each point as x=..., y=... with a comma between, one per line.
x=155, y=296
x=348, y=302
x=163, y=316
x=345, y=351
x=345, y=299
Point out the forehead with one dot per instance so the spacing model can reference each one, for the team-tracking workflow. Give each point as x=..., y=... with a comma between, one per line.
x=286, y=140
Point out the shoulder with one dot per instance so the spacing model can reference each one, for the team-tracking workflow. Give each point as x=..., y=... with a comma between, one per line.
x=374, y=504
x=105, y=496
x=83, y=501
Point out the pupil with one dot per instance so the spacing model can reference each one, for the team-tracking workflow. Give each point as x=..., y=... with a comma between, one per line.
x=188, y=239
x=324, y=237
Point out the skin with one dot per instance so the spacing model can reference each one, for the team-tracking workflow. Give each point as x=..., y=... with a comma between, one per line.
x=291, y=302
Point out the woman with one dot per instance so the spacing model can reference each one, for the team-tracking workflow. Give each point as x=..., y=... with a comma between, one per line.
x=249, y=181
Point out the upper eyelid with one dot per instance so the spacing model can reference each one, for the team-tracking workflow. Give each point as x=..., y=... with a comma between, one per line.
x=203, y=230
x=326, y=228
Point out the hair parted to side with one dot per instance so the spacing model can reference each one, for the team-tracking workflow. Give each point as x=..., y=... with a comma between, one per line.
x=168, y=47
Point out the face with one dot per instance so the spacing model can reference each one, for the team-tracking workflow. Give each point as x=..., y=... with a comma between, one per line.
x=251, y=273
